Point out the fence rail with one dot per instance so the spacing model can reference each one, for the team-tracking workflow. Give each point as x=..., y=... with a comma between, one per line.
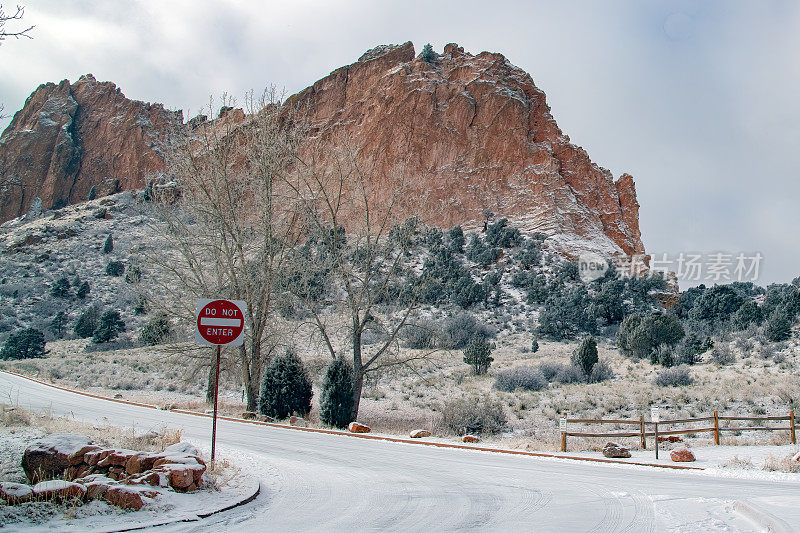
x=643, y=431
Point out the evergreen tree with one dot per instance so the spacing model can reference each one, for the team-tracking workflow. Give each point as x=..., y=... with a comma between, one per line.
x=58, y=324
x=748, y=313
x=24, y=344
x=478, y=354
x=639, y=336
x=115, y=268
x=109, y=327
x=87, y=323
x=535, y=346
x=92, y=194
x=586, y=355
x=428, y=54
x=778, y=327
x=336, y=403
x=83, y=290
x=60, y=289
x=457, y=240
x=108, y=246
x=285, y=388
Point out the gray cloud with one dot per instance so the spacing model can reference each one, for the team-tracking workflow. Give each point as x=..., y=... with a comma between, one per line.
x=696, y=99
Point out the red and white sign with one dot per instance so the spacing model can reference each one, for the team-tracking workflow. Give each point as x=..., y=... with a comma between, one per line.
x=220, y=322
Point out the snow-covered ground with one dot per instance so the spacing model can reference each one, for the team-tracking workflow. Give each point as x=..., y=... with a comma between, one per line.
x=319, y=482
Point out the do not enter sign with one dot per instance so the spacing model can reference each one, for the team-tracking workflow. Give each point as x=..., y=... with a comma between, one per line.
x=220, y=322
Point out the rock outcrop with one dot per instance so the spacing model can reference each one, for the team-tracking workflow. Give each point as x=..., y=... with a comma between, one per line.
x=466, y=133
x=469, y=134
x=69, y=138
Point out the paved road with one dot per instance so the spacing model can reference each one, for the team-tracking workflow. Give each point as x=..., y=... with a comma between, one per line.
x=319, y=482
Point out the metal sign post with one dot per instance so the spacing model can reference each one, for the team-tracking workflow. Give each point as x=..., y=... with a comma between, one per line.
x=655, y=417
x=219, y=323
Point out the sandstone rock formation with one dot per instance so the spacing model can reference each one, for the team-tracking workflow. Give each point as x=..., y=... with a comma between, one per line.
x=71, y=137
x=466, y=133
x=471, y=133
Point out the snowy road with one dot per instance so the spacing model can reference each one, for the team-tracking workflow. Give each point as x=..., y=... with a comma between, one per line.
x=320, y=482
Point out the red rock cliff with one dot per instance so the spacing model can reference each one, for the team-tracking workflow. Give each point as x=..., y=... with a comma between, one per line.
x=471, y=132
x=71, y=137
x=481, y=136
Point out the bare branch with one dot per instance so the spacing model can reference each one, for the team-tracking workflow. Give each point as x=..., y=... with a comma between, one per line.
x=4, y=18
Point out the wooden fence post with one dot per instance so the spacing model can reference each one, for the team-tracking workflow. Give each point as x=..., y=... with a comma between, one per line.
x=563, y=441
x=716, y=428
x=641, y=429
x=791, y=426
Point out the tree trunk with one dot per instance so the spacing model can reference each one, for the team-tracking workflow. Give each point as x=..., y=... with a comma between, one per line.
x=358, y=371
x=358, y=383
x=250, y=379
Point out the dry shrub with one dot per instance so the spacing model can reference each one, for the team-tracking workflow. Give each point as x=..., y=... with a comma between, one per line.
x=475, y=415
x=14, y=416
x=782, y=464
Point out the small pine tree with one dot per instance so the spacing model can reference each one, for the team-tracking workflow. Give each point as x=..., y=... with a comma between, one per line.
x=109, y=327
x=115, y=268
x=60, y=289
x=92, y=194
x=24, y=344
x=778, y=327
x=336, y=403
x=428, y=54
x=86, y=323
x=586, y=355
x=83, y=290
x=58, y=324
x=108, y=246
x=535, y=346
x=285, y=388
x=457, y=239
x=478, y=354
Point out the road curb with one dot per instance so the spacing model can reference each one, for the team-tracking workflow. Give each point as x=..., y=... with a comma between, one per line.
x=759, y=518
x=371, y=437
x=197, y=518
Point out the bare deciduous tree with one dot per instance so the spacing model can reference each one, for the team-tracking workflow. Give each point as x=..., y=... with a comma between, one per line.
x=349, y=265
x=228, y=233
x=5, y=18
x=16, y=33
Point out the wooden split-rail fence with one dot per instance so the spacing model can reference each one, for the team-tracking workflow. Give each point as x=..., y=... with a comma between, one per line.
x=720, y=425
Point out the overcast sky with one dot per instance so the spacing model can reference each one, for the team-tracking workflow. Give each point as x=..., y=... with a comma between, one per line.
x=698, y=100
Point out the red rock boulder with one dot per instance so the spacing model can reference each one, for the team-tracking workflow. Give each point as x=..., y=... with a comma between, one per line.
x=470, y=438
x=49, y=457
x=682, y=455
x=420, y=433
x=14, y=493
x=355, y=427
x=612, y=449
x=58, y=490
x=123, y=497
